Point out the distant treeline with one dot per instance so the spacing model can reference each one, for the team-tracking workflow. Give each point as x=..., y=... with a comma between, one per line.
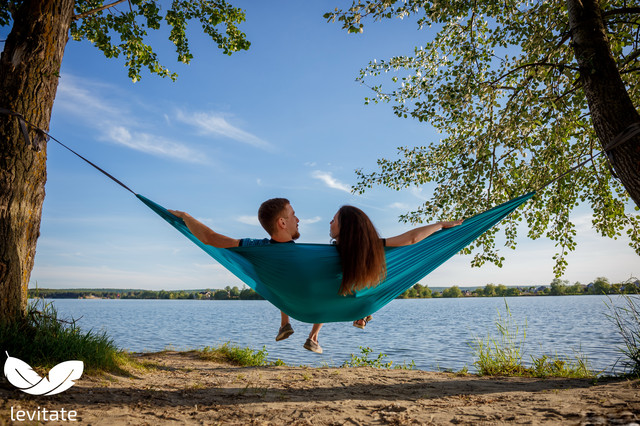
x=557, y=288
x=228, y=293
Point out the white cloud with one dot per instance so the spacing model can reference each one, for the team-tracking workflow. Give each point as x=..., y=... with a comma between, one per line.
x=78, y=97
x=311, y=220
x=401, y=206
x=583, y=223
x=152, y=144
x=100, y=107
x=216, y=124
x=330, y=181
x=248, y=220
x=417, y=192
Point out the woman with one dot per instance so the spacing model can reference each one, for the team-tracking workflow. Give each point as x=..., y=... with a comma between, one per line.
x=362, y=250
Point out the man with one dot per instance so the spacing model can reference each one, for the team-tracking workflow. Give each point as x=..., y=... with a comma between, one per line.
x=278, y=218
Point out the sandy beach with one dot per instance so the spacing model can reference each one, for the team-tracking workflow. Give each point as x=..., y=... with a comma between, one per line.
x=181, y=388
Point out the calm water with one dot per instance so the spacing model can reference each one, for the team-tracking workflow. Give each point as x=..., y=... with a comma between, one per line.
x=435, y=333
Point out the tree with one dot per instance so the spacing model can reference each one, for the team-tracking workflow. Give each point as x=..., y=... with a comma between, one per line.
x=234, y=293
x=558, y=287
x=601, y=286
x=521, y=91
x=29, y=71
x=221, y=295
x=489, y=290
x=423, y=291
x=501, y=290
x=576, y=288
x=512, y=291
x=452, y=292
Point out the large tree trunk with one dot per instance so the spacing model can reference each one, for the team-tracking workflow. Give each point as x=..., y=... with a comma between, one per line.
x=29, y=70
x=611, y=109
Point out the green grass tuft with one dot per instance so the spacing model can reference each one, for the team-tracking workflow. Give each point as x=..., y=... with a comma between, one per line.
x=504, y=356
x=627, y=320
x=245, y=357
x=42, y=340
x=379, y=362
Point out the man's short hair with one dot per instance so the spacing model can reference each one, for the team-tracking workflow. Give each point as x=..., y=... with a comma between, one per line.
x=269, y=213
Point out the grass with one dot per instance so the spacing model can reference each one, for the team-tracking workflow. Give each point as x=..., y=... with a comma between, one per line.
x=379, y=362
x=503, y=356
x=42, y=340
x=236, y=355
x=626, y=318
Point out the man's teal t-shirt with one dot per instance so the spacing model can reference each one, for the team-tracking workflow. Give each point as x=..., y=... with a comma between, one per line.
x=247, y=242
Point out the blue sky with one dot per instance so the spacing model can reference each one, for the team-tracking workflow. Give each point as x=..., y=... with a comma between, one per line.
x=285, y=118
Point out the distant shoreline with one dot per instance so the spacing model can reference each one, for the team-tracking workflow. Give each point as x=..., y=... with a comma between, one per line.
x=557, y=288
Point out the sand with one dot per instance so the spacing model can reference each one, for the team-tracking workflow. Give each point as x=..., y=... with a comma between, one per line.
x=180, y=388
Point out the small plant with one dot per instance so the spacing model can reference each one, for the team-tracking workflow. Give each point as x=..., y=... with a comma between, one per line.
x=245, y=357
x=627, y=320
x=365, y=361
x=546, y=366
x=42, y=340
x=464, y=371
x=504, y=356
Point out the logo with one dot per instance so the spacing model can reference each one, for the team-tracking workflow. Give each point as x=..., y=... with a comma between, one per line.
x=60, y=378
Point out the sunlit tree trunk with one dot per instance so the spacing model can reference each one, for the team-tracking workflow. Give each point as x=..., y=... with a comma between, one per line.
x=611, y=108
x=29, y=72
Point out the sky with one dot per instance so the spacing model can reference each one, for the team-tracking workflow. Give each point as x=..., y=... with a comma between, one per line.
x=284, y=119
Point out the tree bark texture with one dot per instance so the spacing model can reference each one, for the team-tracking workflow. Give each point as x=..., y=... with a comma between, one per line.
x=29, y=70
x=612, y=111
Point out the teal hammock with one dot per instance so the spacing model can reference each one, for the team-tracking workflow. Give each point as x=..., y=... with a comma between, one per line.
x=303, y=280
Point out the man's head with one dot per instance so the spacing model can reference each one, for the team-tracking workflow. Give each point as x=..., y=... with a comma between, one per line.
x=278, y=218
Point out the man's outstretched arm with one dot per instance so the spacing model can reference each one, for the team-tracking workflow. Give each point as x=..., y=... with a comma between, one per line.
x=204, y=233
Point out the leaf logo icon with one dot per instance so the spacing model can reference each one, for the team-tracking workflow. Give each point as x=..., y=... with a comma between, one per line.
x=60, y=378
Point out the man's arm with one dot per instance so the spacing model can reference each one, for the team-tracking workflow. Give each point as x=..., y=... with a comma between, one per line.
x=419, y=234
x=204, y=233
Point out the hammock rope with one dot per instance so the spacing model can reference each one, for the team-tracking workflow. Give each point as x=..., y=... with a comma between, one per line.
x=303, y=280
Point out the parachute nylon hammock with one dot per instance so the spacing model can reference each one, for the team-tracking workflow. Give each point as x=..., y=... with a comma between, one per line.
x=303, y=280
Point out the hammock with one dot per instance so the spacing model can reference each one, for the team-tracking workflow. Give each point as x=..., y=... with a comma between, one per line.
x=302, y=280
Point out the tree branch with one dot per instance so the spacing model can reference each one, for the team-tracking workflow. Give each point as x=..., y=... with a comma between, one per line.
x=534, y=64
x=630, y=70
x=99, y=9
x=631, y=57
x=622, y=11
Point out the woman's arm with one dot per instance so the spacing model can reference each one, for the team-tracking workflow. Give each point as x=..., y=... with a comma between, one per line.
x=419, y=234
x=204, y=233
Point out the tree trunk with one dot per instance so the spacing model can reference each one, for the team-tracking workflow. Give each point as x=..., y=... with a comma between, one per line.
x=29, y=70
x=612, y=111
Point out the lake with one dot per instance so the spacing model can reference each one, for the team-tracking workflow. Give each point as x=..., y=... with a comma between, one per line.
x=433, y=333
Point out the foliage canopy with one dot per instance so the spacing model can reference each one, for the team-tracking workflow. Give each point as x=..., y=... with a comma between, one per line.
x=121, y=28
x=500, y=82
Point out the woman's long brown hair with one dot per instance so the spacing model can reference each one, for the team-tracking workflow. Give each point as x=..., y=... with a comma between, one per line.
x=361, y=251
